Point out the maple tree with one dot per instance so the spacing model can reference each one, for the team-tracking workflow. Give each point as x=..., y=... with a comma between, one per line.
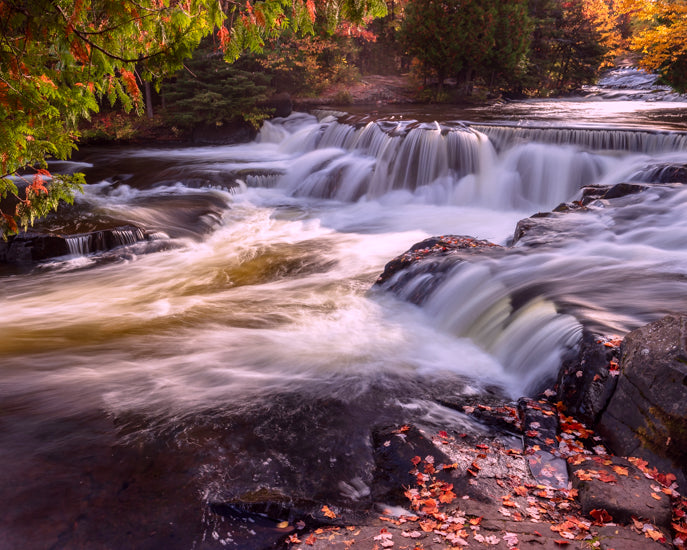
x=660, y=30
x=59, y=59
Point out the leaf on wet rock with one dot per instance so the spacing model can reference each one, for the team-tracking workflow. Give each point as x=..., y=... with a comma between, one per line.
x=328, y=512
x=511, y=539
x=601, y=516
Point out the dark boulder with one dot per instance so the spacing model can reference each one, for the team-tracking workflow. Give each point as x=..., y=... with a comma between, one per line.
x=32, y=247
x=586, y=382
x=617, y=486
x=647, y=414
x=394, y=450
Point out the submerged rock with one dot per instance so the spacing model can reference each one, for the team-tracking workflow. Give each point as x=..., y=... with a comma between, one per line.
x=32, y=247
x=433, y=258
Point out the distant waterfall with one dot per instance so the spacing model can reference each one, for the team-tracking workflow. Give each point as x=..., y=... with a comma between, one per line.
x=590, y=139
x=502, y=167
x=346, y=163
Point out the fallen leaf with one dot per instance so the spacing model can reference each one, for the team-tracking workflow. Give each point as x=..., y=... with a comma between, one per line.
x=601, y=516
x=327, y=512
x=428, y=525
x=620, y=470
x=511, y=539
x=607, y=477
x=655, y=535
x=657, y=497
x=311, y=540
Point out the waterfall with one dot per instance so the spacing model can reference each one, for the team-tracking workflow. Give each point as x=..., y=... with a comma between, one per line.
x=79, y=245
x=100, y=241
x=469, y=301
x=590, y=139
x=491, y=166
x=347, y=163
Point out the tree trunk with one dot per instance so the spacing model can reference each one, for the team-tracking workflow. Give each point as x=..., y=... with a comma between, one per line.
x=148, y=98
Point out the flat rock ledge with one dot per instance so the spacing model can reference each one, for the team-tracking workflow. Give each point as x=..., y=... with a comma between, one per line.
x=438, y=490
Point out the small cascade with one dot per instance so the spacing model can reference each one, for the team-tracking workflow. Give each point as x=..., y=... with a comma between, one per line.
x=126, y=236
x=79, y=245
x=107, y=239
x=590, y=139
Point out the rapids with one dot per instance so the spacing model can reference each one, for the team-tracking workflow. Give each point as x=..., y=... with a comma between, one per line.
x=239, y=346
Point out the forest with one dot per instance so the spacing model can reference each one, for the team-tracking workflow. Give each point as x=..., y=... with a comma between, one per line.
x=70, y=68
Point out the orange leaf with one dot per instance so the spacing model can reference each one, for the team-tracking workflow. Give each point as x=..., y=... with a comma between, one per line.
x=311, y=540
x=446, y=497
x=607, y=478
x=602, y=516
x=327, y=512
x=655, y=535
x=428, y=525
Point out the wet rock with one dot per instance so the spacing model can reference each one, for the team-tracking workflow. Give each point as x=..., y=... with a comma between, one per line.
x=647, y=414
x=666, y=173
x=32, y=247
x=433, y=257
x=540, y=428
x=548, y=228
x=623, y=189
x=617, y=486
x=35, y=247
x=394, y=450
x=587, y=381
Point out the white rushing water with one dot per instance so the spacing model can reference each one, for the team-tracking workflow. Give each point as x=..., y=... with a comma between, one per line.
x=272, y=294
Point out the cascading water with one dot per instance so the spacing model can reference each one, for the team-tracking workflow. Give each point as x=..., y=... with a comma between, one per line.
x=241, y=349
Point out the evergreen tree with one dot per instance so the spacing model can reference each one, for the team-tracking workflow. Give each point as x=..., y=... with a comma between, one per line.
x=209, y=91
x=466, y=39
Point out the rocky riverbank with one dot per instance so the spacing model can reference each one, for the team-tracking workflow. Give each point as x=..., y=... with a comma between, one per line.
x=596, y=461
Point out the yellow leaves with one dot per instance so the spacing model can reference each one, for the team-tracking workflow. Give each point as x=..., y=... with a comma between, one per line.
x=662, y=28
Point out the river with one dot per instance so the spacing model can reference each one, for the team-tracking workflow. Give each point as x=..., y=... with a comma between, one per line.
x=239, y=346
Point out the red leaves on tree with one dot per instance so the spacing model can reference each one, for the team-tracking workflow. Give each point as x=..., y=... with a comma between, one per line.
x=224, y=37
x=310, y=5
x=130, y=84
